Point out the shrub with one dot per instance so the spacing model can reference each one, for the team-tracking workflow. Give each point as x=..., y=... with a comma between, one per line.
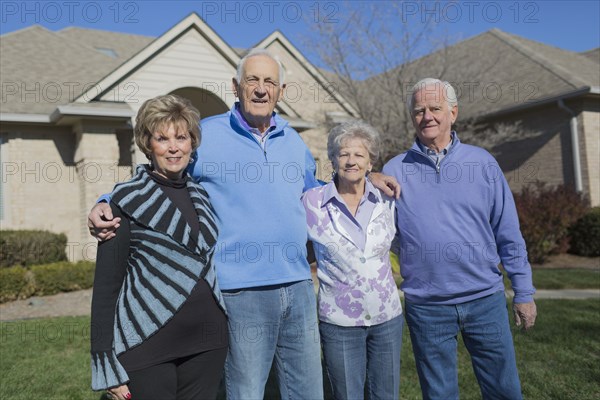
x=585, y=234
x=62, y=277
x=545, y=214
x=31, y=247
x=15, y=283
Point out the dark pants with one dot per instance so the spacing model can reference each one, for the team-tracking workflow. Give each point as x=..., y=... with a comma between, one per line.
x=194, y=377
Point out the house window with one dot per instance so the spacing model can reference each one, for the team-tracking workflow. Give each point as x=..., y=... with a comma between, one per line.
x=109, y=52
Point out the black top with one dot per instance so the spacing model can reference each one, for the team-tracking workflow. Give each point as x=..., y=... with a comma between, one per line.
x=199, y=325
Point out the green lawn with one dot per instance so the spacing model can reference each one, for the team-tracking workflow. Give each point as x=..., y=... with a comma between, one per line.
x=559, y=359
x=566, y=278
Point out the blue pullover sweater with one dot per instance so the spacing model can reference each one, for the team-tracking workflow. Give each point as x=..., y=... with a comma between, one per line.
x=256, y=197
x=456, y=223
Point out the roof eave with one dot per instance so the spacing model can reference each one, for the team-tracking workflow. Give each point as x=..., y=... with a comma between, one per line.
x=71, y=111
x=25, y=118
x=543, y=101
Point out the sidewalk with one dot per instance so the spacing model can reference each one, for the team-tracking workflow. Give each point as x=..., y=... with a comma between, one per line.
x=79, y=302
x=562, y=294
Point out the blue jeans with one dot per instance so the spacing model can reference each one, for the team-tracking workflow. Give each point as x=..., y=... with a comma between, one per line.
x=355, y=353
x=269, y=323
x=485, y=329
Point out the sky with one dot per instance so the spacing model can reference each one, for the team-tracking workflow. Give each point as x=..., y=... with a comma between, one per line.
x=570, y=25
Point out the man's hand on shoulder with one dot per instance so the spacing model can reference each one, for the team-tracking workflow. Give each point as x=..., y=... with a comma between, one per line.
x=525, y=314
x=386, y=183
x=101, y=223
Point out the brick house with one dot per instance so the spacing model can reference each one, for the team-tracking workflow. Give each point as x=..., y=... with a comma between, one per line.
x=68, y=99
x=505, y=78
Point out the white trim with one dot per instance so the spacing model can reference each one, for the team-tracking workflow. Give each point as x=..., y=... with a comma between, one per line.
x=28, y=118
x=192, y=21
x=4, y=194
x=74, y=110
x=307, y=65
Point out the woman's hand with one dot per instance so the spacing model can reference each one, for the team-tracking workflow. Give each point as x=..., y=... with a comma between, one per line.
x=120, y=393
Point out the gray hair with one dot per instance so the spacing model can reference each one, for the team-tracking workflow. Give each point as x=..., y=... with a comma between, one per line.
x=449, y=92
x=259, y=52
x=353, y=130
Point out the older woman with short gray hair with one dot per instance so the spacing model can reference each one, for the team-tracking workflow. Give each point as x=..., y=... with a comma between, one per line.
x=351, y=225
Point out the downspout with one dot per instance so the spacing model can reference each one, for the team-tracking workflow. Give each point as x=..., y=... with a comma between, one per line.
x=574, y=145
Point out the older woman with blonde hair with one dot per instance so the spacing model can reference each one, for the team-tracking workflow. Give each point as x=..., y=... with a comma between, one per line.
x=159, y=328
x=351, y=225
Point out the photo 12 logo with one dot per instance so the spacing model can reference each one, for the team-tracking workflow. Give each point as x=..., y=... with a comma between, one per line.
x=55, y=12
x=269, y=11
x=470, y=11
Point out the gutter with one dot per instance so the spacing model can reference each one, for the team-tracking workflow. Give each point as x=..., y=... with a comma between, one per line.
x=27, y=118
x=546, y=100
x=82, y=111
x=574, y=144
x=69, y=110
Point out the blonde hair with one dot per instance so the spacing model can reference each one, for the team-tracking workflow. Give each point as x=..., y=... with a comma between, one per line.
x=159, y=112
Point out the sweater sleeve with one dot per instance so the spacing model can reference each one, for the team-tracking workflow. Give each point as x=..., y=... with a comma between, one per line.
x=509, y=240
x=310, y=179
x=111, y=265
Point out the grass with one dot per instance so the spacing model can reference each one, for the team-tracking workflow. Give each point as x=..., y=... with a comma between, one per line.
x=566, y=278
x=560, y=278
x=46, y=359
x=559, y=359
x=557, y=279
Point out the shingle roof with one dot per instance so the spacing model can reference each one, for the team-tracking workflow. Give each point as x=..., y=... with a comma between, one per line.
x=492, y=71
x=497, y=70
x=593, y=54
x=41, y=69
x=124, y=45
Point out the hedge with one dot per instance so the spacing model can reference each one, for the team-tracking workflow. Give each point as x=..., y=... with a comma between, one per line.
x=26, y=248
x=585, y=234
x=62, y=277
x=19, y=283
x=545, y=215
x=15, y=283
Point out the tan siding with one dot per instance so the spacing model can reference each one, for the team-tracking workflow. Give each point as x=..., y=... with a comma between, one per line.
x=305, y=95
x=191, y=61
x=312, y=102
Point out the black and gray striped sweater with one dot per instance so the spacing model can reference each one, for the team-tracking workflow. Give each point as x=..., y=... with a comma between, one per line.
x=164, y=264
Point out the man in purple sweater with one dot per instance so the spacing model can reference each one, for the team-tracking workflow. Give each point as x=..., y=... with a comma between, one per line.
x=457, y=222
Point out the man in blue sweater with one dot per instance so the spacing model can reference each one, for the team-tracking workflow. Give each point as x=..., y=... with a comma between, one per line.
x=255, y=168
x=457, y=222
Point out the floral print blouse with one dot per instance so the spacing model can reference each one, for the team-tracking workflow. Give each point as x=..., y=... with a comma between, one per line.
x=356, y=286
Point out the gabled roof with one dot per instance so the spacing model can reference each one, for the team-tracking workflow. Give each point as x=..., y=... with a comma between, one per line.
x=192, y=21
x=45, y=69
x=277, y=36
x=566, y=65
x=496, y=71
x=124, y=45
x=593, y=54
